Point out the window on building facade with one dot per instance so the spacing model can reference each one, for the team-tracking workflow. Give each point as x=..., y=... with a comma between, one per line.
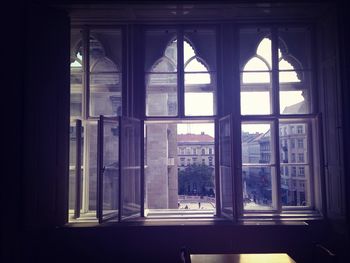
x=180, y=116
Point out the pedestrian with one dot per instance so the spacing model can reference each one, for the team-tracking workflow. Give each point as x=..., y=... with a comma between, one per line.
x=199, y=204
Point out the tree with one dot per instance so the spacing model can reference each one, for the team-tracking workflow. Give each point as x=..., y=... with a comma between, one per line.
x=196, y=179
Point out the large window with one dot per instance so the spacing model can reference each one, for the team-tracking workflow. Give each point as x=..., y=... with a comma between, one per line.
x=182, y=157
x=180, y=80
x=276, y=73
x=96, y=89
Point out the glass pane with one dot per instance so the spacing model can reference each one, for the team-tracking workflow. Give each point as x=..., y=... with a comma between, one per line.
x=256, y=64
x=110, y=168
x=253, y=42
x=255, y=93
x=295, y=170
x=105, y=94
x=131, y=168
x=257, y=188
x=255, y=103
x=256, y=143
x=161, y=94
x=161, y=51
x=200, y=43
x=76, y=74
x=200, y=91
x=295, y=185
x=226, y=180
x=76, y=104
x=294, y=47
x=105, y=50
x=255, y=78
x=105, y=77
x=91, y=177
x=295, y=92
x=72, y=165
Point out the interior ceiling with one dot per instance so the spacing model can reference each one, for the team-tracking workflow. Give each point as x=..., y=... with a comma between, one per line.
x=189, y=10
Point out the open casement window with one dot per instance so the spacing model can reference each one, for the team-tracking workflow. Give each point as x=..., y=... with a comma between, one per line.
x=119, y=169
x=226, y=167
x=278, y=147
x=96, y=89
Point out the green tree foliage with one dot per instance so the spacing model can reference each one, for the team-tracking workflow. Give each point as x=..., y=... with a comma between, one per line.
x=196, y=179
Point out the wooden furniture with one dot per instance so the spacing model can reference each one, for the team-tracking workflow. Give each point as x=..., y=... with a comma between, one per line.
x=242, y=258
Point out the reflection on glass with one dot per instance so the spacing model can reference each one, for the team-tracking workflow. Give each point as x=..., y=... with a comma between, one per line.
x=255, y=103
x=110, y=168
x=91, y=172
x=226, y=180
x=257, y=188
x=131, y=168
x=105, y=77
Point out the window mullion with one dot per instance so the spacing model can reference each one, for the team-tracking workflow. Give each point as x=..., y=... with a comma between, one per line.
x=86, y=72
x=180, y=72
x=276, y=113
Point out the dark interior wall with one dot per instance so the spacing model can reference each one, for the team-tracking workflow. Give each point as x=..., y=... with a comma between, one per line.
x=35, y=192
x=45, y=116
x=162, y=243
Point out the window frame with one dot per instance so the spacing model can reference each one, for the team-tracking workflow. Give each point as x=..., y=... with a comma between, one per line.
x=275, y=116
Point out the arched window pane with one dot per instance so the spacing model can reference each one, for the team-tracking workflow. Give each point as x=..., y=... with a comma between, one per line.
x=200, y=75
x=195, y=65
x=256, y=77
x=105, y=77
x=164, y=65
x=255, y=64
x=264, y=50
x=171, y=52
x=188, y=51
x=288, y=76
x=104, y=65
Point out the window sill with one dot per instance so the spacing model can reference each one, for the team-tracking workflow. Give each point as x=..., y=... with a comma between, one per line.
x=284, y=219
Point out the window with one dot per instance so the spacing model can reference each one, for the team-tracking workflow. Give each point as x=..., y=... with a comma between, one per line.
x=301, y=157
x=293, y=158
x=299, y=129
x=180, y=85
x=275, y=82
x=275, y=119
x=96, y=89
x=300, y=143
x=292, y=143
